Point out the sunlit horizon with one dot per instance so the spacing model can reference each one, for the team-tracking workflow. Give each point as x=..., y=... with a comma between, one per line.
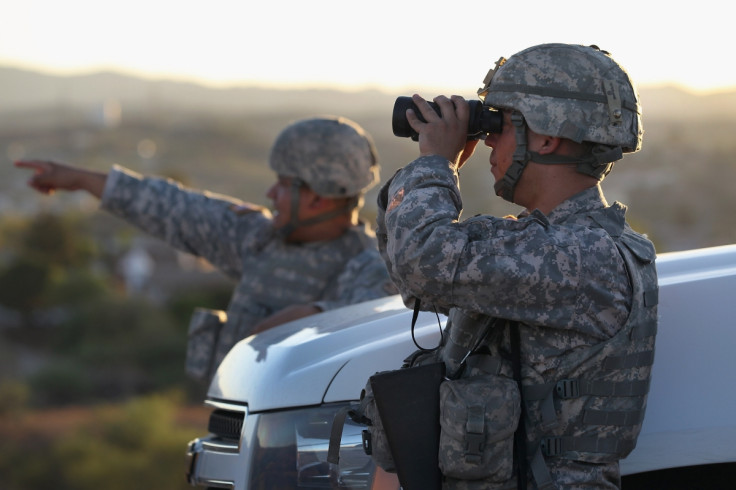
x=388, y=46
x=702, y=89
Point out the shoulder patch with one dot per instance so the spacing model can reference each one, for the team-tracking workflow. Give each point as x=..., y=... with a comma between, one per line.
x=396, y=200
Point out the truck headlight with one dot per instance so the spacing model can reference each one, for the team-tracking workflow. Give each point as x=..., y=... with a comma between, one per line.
x=290, y=451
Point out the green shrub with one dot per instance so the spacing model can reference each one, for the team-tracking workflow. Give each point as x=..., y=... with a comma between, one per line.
x=136, y=445
x=61, y=383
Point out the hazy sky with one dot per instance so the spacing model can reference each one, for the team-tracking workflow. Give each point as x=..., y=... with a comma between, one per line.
x=390, y=44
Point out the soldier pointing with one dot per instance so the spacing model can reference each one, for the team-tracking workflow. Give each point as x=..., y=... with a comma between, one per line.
x=311, y=254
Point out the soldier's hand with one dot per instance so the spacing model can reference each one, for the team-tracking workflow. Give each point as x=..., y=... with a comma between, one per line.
x=444, y=135
x=49, y=176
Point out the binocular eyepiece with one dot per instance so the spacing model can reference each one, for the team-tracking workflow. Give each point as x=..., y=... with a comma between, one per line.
x=483, y=119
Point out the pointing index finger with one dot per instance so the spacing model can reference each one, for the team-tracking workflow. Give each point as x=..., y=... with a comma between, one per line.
x=32, y=164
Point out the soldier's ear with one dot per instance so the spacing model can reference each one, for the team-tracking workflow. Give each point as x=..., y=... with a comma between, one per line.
x=315, y=201
x=549, y=144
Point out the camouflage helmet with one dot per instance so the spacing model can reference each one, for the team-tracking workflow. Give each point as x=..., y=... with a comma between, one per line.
x=569, y=91
x=333, y=155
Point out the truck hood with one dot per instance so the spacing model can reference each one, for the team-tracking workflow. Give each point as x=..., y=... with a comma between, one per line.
x=322, y=357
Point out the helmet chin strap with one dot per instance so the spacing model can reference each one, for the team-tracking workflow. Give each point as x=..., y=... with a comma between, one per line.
x=507, y=184
x=598, y=164
x=295, y=222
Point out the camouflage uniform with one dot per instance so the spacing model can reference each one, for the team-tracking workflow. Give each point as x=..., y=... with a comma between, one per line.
x=335, y=158
x=580, y=284
x=272, y=274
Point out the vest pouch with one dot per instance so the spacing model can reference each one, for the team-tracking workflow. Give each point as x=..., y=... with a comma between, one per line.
x=204, y=332
x=478, y=418
x=375, y=441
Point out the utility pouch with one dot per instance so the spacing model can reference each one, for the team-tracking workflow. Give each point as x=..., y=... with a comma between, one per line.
x=204, y=332
x=478, y=418
x=375, y=442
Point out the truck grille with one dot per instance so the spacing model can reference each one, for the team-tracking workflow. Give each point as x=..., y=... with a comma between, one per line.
x=226, y=424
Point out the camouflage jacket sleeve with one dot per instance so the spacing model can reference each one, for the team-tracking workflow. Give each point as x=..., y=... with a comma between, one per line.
x=200, y=223
x=394, y=225
x=365, y=278
x=530, y=269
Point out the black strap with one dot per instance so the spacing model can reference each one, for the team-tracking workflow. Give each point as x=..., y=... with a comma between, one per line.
x=520, y=434
x=556, y=446
x=507, y=184
x=333, y=450
x=414, y=317
x=538, y=467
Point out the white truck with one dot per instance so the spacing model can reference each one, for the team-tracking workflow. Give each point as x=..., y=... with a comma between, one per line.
x=274, y=396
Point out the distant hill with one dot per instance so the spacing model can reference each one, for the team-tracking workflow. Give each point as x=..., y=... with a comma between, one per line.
x=22, y=90
x=674, y=102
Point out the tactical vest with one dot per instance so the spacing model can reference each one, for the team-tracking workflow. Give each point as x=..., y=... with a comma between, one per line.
x=280, y=275
x=594, y=411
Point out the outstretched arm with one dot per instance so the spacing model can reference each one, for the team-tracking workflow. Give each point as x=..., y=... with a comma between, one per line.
x=49, y=176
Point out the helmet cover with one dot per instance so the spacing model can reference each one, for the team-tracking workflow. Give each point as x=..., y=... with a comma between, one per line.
x=569, y=91
x=333, y=155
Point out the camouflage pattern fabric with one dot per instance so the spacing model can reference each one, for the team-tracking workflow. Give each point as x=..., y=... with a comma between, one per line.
x=238, y=239
x=538, y=270
x=379, y=448
x=203, y=334
x=560, y=276
x=333, y=155
x=571, y=91
x=478, y=417
x=566, y=474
